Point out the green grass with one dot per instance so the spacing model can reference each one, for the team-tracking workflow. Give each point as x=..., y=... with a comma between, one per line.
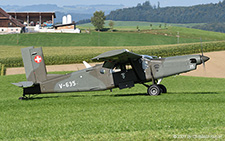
x=93, y=39
x=193, y=106
x=132, y=25
x=120, y=38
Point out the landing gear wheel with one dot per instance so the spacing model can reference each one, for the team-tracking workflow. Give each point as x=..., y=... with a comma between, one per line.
x=163, y=88
x=154, y=90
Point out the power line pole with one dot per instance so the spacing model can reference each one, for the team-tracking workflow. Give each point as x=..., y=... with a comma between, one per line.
x=178, y=37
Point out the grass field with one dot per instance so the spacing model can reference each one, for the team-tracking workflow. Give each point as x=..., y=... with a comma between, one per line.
x=132, y=25
x=120, y=38
x=194, y=107
x=74, y=48
x=95, y=39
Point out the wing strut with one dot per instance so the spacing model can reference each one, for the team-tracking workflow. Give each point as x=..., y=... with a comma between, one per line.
x=153, y=79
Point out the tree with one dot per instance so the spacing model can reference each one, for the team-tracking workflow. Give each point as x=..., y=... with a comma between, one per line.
x=138, y=29
x=111, y=24
x=146, y=3
x=158, y=5
x=165, y=26
x=98, y=20
x=160, y=26
x=150, y=26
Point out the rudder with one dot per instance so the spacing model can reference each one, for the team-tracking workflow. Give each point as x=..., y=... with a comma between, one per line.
x=34, y=64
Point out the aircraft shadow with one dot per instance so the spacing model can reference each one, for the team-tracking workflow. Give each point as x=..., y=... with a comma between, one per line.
x=117, y=95
x=86, y=95
x=193, y=93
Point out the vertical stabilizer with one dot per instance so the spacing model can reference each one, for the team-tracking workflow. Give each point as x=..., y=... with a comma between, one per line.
x=34, y=64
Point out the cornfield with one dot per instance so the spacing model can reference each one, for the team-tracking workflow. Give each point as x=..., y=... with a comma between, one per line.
x=77, y=56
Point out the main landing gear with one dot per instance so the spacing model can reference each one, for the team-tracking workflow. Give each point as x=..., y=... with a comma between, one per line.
x=24, y=97
x=155, y=89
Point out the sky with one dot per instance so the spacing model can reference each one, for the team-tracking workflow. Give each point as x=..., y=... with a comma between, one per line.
x=126, y=3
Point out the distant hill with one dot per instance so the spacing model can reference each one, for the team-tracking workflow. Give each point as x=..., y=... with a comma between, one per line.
x=194, y=14
x=36, y=8
x=218, y=27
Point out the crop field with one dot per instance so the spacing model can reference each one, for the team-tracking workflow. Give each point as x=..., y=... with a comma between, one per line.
x=74, y=48
x=11, y=55
x=193, y=108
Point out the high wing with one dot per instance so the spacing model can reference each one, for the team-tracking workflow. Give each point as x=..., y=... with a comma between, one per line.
x=111, y=58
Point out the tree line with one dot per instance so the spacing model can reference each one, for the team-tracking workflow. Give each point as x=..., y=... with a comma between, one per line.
x=205, y=13
x=218, y=27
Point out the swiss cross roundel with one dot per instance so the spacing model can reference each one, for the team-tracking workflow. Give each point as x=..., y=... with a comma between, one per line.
x=37, y=59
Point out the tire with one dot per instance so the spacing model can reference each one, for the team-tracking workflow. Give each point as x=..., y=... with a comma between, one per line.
x=154, y=90
x=163, y=88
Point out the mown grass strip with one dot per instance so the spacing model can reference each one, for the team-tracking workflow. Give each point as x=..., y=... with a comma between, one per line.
x=192, y=106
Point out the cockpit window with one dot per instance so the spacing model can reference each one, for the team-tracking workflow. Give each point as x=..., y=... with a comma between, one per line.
x=149, y=57
x=121, y=67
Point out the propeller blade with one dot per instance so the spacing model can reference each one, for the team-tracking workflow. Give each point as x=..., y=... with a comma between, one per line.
x=203, y=62
x=204, y=59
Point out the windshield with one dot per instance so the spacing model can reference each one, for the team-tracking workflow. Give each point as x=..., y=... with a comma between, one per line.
x=149, y=57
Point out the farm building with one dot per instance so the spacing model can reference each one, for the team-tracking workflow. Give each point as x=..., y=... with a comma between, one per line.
x=34, y=18
x=8, y=24
x=65, y=26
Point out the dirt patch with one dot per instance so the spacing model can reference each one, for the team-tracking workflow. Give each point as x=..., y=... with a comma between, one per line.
x=215, y=67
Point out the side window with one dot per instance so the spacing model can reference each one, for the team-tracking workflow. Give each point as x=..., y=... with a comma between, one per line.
x=102, y=71
x=144, y=64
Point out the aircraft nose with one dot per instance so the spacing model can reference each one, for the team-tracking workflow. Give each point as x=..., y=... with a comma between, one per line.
x=204, y=58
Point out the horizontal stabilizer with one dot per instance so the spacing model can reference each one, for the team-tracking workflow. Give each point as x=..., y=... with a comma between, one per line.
x=86, y=64
x=24, y=84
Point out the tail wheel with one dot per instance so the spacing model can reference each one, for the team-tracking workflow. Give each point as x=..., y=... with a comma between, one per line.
x=163, y=88
x=154, y=90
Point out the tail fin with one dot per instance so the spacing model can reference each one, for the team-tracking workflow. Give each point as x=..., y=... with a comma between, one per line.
x=34, y=64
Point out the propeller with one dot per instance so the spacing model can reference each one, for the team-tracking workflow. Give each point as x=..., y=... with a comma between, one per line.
x=203, y=58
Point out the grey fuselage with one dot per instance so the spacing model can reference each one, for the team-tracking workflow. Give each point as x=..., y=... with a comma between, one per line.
x=138, y=71
x=121, y=69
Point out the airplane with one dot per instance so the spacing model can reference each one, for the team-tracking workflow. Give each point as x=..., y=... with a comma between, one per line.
x=121, y=69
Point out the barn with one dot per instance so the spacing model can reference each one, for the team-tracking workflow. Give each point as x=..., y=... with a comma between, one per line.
x=8, y=24
x=34, y=18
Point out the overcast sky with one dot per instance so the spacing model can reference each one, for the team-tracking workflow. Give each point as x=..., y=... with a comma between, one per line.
x=127, y=3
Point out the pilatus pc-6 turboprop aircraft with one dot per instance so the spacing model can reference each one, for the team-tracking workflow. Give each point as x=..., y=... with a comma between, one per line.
x=121, y=69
